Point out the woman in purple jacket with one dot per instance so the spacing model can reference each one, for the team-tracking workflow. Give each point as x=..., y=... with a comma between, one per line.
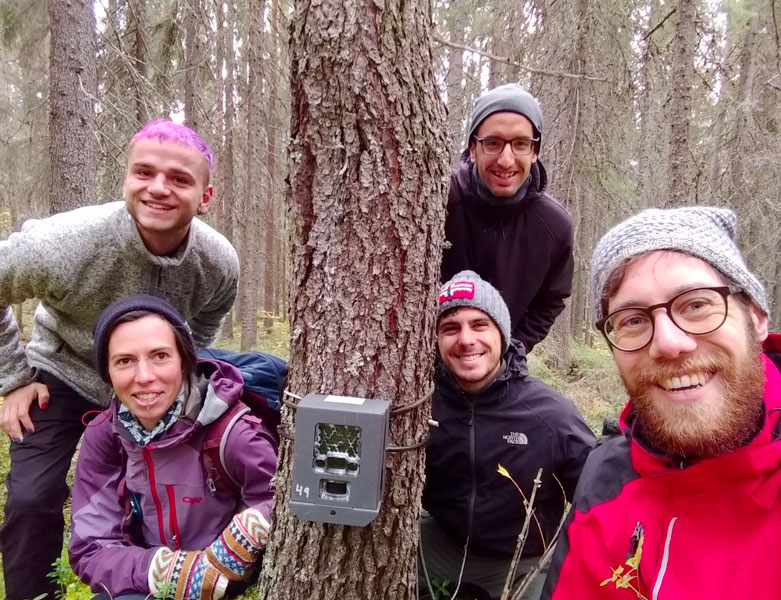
x=145, y=518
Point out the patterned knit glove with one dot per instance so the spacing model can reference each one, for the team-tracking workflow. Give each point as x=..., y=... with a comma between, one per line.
x=184, y=576
x=239, y=546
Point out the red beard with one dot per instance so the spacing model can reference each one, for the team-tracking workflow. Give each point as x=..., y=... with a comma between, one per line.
x=707, y=427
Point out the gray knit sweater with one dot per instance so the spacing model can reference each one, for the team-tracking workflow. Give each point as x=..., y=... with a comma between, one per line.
x=77, y=263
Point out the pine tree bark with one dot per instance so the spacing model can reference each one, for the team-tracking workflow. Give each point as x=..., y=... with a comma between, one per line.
x=72, y=90
x=367, y=191
x=680, y=183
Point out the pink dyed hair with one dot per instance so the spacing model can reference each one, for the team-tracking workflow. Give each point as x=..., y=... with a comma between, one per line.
x=164, y=129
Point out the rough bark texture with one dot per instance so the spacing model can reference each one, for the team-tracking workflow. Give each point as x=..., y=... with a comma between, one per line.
x=72, y=89
x=368, y=184
x=680, y=183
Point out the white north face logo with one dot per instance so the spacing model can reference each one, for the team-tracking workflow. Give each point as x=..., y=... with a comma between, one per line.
x=516, y=438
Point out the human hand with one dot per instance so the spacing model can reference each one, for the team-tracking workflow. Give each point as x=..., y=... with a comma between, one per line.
x=185, y=575
x=240, y=544
x=15, y=410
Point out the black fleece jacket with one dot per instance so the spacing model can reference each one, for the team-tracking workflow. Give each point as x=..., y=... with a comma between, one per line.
x=523, y=249
x=519, y=422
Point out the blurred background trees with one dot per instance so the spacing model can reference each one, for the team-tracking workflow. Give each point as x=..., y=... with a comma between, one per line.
x=646, y=103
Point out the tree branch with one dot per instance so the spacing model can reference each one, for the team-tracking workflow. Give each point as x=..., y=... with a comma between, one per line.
x=513, y=63
x=659, y=24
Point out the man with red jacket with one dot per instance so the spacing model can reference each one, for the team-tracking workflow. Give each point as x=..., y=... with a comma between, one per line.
x=686, y=502
x=501, y=222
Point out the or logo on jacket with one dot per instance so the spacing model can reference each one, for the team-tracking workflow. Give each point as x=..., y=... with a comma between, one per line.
x=516, y=438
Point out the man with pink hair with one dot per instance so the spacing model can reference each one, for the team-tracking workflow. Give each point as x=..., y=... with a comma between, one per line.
x=75, y=264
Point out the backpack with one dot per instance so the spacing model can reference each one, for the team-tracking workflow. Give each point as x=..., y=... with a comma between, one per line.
x=264, y=378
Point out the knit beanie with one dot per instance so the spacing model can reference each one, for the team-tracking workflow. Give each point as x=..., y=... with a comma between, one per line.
x=705, y=232
x=104, y=325
x=509, y=97
x=467, y=288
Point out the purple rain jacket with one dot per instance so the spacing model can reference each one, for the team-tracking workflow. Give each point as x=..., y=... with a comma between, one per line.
x=170, y=484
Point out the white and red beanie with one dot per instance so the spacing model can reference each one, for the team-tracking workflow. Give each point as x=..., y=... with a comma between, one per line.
x=467, y=288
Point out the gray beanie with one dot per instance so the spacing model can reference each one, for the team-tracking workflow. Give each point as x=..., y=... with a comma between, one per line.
x=704, y=232
x=509, y=97
x=467, y=288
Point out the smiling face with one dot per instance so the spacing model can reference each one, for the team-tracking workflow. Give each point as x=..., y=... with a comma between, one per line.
x=694, y=395
x=145, y=368
x=503, y=174
x=165, y=186
x=470, y=346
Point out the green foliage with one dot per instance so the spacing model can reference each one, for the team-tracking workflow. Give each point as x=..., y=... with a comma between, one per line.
x=592, y=381
x=275, y=341
x=166, y=590
x=70, y=585
x=441, y=590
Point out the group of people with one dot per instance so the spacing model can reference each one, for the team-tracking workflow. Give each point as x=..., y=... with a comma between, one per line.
x=683, y=500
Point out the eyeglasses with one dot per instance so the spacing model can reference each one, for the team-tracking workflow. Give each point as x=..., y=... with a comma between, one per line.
x=519, y=146
x=697, y=312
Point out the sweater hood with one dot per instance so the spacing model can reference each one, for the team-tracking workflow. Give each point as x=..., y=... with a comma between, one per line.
x=217, y=388
x=749, y=461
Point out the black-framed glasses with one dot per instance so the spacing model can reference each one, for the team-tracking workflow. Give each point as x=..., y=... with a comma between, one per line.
x=697, y=312
x=520, y=146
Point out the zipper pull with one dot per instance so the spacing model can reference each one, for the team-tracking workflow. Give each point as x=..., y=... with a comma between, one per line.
x=635, y=540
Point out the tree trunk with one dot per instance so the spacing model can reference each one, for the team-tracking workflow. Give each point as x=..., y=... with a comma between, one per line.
x=72, y=90
x=223, y=193
x=368, y=185
x=137, y=10
x=252, y=221
x=680, y=184
x=192, y=65
x=269, y=261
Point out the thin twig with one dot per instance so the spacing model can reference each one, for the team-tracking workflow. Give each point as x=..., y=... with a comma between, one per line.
x=659, y=24
x=513, y=63
x=546, y=555
x=508, y=584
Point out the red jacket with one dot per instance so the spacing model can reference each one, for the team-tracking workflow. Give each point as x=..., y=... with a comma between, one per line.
x=708, y=530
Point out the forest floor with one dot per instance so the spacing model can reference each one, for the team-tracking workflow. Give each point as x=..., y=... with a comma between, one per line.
x=591, y=382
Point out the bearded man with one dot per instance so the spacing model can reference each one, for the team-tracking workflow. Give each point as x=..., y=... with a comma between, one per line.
x=686, y=502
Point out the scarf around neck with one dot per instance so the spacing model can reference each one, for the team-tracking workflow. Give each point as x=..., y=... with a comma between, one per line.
x=488, y=197
x=143, y=436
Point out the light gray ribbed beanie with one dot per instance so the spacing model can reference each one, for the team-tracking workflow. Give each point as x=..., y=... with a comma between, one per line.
x=467, y=288
x=509, y=97
x=705, y=232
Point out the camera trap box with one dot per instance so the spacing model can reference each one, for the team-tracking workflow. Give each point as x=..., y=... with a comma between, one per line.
x=339, y=459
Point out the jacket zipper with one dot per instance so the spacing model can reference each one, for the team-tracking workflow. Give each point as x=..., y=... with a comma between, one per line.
x=151, y=470
x=174, y=525
x=665, y=559
x=473, y=465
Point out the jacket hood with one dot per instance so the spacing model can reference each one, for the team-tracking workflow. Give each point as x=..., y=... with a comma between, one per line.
x=513, y=366
x=218, y=386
